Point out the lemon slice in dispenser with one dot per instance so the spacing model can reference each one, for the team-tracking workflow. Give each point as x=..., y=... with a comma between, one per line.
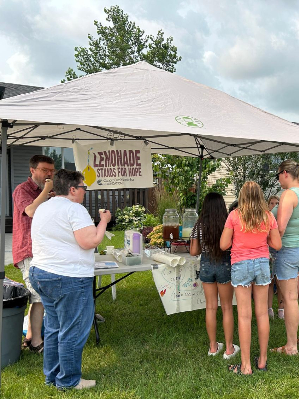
x=89, y=175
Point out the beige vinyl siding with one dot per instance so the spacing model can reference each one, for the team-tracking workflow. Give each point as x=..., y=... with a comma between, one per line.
x=222, y=172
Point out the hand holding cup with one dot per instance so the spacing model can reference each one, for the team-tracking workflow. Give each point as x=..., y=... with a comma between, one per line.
x=49, y=186
x=105, y=215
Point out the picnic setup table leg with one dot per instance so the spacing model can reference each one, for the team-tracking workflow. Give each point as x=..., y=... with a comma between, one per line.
x=99, y=291
x=113, y=288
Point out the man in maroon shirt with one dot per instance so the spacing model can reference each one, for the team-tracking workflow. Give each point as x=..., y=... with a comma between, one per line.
x=26, y=198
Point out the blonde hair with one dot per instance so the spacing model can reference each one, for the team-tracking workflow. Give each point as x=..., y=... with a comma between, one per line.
x=290, y=166
x=253, y=209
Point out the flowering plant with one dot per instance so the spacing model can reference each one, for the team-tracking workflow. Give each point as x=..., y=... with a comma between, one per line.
x=131, y=217
x=156, y=236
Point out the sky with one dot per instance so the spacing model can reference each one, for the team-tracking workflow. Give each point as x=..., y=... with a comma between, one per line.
x=248, y=49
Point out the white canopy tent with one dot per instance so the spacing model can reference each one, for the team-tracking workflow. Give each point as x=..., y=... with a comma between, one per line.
x=174, y=114
x=140, y=102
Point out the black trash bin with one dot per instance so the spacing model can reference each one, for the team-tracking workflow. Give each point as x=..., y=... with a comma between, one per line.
x=15, y=297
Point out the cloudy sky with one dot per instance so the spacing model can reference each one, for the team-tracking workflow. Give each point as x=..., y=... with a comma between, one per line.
x=248, y=49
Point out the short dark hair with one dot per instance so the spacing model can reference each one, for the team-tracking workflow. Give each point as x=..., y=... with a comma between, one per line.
x=64, y=179
x=36, y=159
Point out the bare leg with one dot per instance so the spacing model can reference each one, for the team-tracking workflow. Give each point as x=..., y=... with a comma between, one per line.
x=270, y=299
x=280, y=303
x=29, y=332
x=211, y=295
x=260, y=294
x=36, y=320
x=289, y=290
x=226, y=298
x=243, y=295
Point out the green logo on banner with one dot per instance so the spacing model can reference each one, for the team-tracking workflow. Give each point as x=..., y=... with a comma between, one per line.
x=189, y=121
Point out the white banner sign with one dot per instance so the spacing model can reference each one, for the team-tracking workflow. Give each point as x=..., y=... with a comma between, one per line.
x=122, y=165
x=180, y=288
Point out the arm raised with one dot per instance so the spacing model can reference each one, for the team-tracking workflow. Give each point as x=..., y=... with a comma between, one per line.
x=91, y=236
x=44, y=195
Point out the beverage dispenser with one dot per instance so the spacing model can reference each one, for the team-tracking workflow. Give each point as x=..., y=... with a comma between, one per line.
x=171, y=225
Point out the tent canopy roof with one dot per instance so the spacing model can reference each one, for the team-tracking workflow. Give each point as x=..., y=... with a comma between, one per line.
x=140, y=101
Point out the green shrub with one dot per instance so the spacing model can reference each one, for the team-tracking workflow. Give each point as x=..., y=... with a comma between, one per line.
x=165, y=200
x=131, y=217
x=151, y=220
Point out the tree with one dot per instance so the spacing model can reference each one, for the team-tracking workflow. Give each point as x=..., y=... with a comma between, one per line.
x=179, y=176
x=121, y=43
x=56, y=157
x=259, y=168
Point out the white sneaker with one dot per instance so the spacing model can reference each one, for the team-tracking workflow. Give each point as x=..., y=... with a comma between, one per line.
x=85, y=384
x=100, y=318
x=219, y=349
x=236, y=350
x=271, y=313
x=281, y=314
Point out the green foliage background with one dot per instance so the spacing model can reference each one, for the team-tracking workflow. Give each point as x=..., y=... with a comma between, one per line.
x=259, y=168
x=179, y=177
x=122, y=43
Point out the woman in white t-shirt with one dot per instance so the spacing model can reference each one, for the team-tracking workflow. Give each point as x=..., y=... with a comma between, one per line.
x=62, y=270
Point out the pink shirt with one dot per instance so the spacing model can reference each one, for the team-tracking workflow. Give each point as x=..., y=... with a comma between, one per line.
x=24, y=194
x=248, y=245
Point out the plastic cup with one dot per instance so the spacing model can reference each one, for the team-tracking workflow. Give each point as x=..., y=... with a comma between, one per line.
x=109, y=249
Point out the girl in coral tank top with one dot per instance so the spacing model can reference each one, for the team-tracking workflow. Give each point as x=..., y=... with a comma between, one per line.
x=249, y=230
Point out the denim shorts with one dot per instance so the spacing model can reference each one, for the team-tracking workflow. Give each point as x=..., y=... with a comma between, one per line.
x=287, y=263
x=215, y=272
x=251, y=271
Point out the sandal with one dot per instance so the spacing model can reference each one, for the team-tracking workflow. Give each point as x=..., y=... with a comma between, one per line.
x=256, y=361
x=282, y=349
x=26, y=343
x=236, y=369
x=37, y=349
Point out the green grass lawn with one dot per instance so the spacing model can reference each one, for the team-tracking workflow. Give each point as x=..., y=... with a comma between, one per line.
x=146, y=354
x=117, y=241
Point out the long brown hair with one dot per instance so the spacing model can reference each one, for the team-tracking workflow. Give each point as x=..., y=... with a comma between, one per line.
x=253, y=209
x=210, y=224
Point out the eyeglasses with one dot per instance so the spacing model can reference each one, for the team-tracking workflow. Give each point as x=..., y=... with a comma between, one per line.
x=84, y=187
x=277, y=174
x=46, y=170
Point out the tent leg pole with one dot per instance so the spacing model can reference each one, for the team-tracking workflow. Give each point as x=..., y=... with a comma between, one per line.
x=199, y=178
x=3, y=213
x=62, y=158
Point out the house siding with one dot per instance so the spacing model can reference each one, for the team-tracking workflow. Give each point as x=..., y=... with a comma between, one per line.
x=223, y=172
